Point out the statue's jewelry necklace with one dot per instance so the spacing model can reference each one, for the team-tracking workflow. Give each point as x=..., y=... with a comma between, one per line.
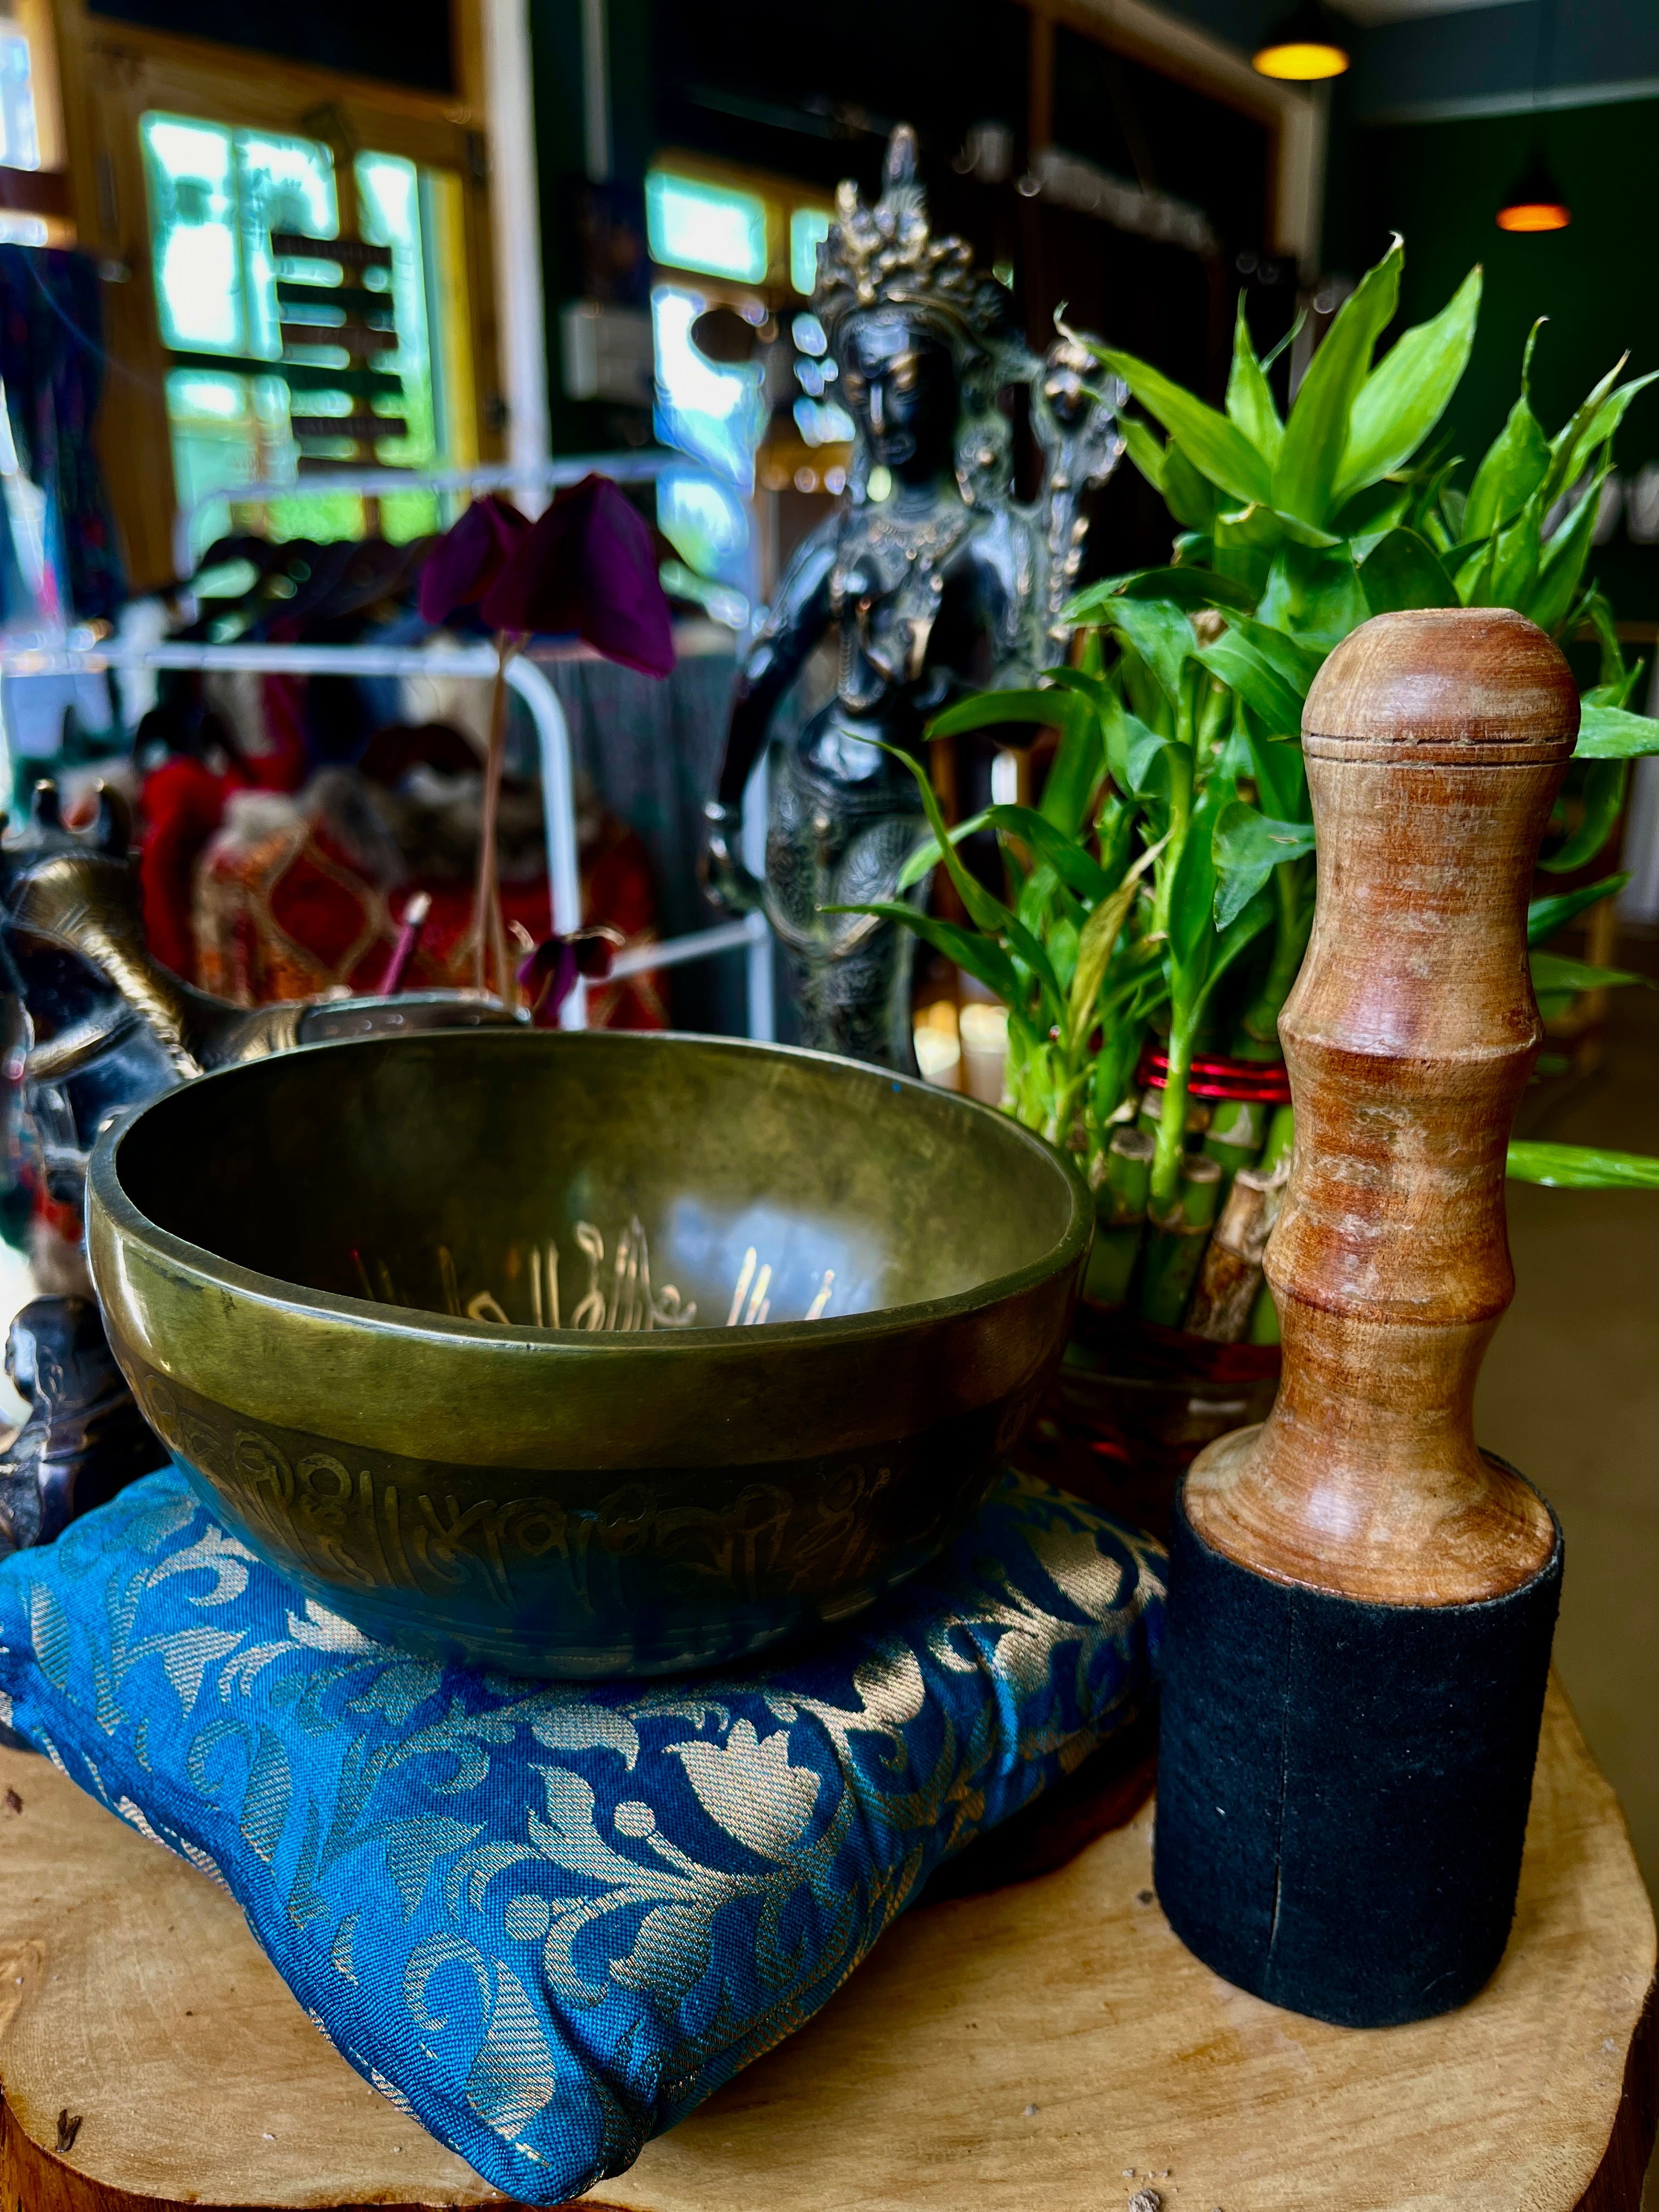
x=889, y=578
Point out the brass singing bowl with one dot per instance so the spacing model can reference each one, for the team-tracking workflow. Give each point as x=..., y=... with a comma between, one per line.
x=281, y=1251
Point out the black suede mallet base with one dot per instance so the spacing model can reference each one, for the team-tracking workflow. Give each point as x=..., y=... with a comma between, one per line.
x=1343, y=1787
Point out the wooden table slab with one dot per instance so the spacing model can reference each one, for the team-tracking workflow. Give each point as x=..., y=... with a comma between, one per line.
x=1049, y=2047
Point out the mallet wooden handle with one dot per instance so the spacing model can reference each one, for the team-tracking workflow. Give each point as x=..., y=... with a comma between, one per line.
x=1436, y=743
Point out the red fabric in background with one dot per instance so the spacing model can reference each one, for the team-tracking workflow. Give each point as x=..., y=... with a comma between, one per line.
x=182, y=803
x=292, y=916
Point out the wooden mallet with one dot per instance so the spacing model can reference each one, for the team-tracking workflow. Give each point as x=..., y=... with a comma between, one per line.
x=1361, y=1601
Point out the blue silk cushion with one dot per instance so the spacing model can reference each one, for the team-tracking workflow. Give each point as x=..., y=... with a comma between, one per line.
x=550, y=1919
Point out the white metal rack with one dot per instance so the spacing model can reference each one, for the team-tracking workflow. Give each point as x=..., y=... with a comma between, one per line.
x=377, y=483
x=75, y=657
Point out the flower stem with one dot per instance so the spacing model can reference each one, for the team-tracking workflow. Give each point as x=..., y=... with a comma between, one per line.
x=488, y=931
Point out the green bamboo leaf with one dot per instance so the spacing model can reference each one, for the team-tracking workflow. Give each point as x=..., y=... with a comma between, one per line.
x=1095, y=688
x=1075, y=772
x=1241, y=664
x=1516, y=466
x=1192, y=887
x=1607, y=733
x=1304, y=477
x=1314, y=596
x=1253, y=529
x=1282, y=773
x=1028, y=949
x=926, y=856
x=1299, y=664
x=1407, y=392
x=1603, y=796
x=1582, y=1167
x=1143, y=449
x=1246, y=846
x=1600, y=427
x=1212, y=443
x=981, y=957
x=1048, y=709
x=1159, y=632
x=1379, y=508
x=1401, y=569
x=1574, y=438
x=1249, y=398
x=1189, y=496
x=1515, y=554
x=1094, y=951
x=1145, y=761
x=1237, y=938
x=984, y=909
x=1562, y=563
x=1189, y=588
x=1545, y=916
x=1142, y=691
x=1617, y=684
x=1060, y=851
x=1302, y=533
x=1554, y=971
x=1474, y=575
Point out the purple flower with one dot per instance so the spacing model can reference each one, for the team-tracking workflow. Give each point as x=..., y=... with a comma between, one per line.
x=588, y=565
x=548, y=974
x=467, y=560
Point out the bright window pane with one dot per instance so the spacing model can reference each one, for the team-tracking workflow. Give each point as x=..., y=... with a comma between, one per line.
x=217, y=196
x=19, y=147
x=192, y=192
x=697, y=225
x=807, y=227
x=286, y=184
x=389, y=196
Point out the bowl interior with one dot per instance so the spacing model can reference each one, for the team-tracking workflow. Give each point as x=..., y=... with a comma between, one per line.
x=596, y=1182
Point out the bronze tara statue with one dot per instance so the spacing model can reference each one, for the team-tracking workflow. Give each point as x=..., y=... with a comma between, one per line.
x=934, y=579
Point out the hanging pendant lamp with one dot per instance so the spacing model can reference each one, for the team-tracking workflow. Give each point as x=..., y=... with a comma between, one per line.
x=1535, y=202
x=1303, y=47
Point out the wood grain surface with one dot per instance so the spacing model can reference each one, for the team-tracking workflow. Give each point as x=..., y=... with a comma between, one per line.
x=1435, y=743
x=1049, y=2047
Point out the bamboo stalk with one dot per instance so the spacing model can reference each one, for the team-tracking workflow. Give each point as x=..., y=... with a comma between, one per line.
x=1231, y=1277
x=1124, y=1171
x=1176, y=1240
x=1151, y=1114
x=1281, y=1135
x=1264, y=1318
x=1234, y=1139
x=1275, y=1160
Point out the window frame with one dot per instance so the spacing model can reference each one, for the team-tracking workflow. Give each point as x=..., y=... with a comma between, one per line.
x=114, y=73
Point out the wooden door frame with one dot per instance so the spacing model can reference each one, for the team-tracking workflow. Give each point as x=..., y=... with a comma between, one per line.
x=110, y=73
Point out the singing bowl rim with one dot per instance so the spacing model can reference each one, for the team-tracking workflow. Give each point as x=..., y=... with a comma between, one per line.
x=177, y=1265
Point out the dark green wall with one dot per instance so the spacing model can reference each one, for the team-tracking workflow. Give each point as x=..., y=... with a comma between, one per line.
x=1440, y=185
x=401, y=41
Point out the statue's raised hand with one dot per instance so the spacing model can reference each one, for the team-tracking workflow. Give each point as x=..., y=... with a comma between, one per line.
x=724, y=877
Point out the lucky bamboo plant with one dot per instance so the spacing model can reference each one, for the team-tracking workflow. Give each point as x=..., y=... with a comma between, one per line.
x=1163, y=886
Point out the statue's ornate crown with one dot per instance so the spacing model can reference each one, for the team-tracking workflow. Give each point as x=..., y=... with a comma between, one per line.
x=887, y=256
